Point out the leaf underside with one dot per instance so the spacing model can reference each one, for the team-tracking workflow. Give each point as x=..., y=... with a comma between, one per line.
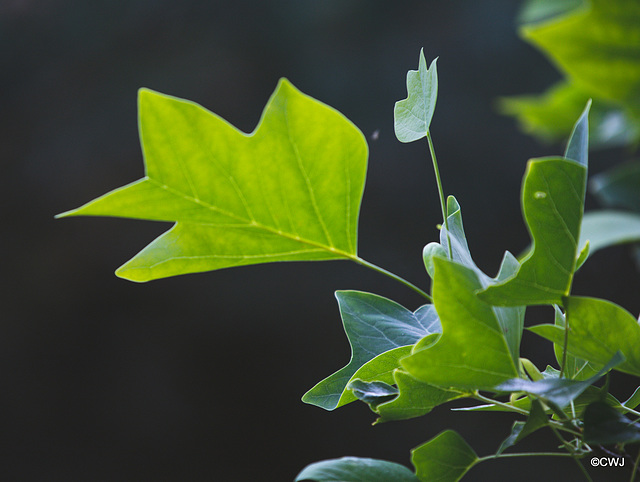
x=289, y=191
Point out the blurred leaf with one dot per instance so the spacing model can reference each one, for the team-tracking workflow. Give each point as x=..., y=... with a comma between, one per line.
x=473, y=351
x=597, y=47
x=605, y=425
x=356, y=469
x=290, y=191
x=445, y=458
x=618, y=187
x=550, y=116
x=634, y=400
x=608, y=228
x=541, y=10
x=597, y=330
x=412, y=116
x=373, y=325
x=557, y=391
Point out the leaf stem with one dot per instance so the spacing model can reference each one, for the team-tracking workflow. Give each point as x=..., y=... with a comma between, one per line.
x=432, y=151
x=511, y=408
x=391, y=275
x=635, y=468
x=572, y=453
x=564, y=347
x=524, y=454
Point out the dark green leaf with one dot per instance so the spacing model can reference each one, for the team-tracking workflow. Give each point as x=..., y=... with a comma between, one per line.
x=373, y=325
x=557, y=391
x=445, y=458
x=412, y=116
x=416, y=398
x=356, y=469
x=373, y=393
x=537, y=419
x=605, y=425
x=290, y=191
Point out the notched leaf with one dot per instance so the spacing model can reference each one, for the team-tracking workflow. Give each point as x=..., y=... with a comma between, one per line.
x=289, y=191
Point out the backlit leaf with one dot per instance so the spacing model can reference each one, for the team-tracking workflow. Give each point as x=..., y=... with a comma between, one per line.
x=289, y=191
x=412, y=116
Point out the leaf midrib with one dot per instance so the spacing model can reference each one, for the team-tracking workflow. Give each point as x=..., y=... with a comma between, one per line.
x=250, y=222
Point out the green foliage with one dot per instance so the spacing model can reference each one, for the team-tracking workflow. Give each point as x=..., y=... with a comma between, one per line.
x=291, y=191
x=596, y=45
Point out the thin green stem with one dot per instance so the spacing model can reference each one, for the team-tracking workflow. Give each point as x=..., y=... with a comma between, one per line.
x=572, y=452
x=440, y=190
x=524, y=454
x=511, y=408
x=391, y=275
x=564, y=346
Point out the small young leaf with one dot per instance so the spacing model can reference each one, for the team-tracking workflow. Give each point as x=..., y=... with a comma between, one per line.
x=428, y=253
x=445, y=458
x=537, y=419
x=473, y=351
x=575, y=368
x=559, y=392
x=373, y=325
x=416, y=399
x=598, y=329
x=289, y=191
x=412, y=116
x=605, y=425
x=578, y=145
x=633, y=401
x=356, y=469
x=373, y=393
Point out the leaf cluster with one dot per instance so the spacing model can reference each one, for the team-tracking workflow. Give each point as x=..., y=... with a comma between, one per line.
x=291, y=191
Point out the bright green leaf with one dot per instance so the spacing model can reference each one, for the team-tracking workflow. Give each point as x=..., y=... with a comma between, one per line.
x=373, y=325
x=445, y=458
x=473, y=352
x=598, y=329
x=575, y=368
x=634, y=400
x=618, y=187
x=429, y=252
x=412, y=116
x=356, y=469
x=605, y=425
x=558, y=391
x=289, y=191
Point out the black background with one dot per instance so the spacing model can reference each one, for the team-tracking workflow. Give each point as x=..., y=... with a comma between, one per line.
x=200, y=377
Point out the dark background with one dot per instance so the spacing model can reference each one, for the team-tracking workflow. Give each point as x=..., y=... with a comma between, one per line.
x=200, y=377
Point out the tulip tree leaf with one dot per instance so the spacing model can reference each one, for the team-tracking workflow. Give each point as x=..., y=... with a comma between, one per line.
x=412, y=116
x=374, y=325
x=454, y=361
x=598, y=329
x=537, y=419
x=552, y=203
x=289, y=191
x=356, y=469
x=446, y=457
